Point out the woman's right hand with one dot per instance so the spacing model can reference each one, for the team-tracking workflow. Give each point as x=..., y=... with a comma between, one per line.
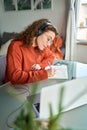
x=51, y=72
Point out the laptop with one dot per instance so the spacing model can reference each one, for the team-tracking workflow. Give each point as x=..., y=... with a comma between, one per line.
x=74, y=114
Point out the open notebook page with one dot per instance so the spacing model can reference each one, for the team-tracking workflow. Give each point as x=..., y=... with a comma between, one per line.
x=61, y=72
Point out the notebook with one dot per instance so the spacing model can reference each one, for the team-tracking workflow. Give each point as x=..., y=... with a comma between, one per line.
x=61, y=71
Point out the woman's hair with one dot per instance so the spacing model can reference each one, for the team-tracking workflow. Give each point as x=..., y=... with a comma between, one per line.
x=34, y=30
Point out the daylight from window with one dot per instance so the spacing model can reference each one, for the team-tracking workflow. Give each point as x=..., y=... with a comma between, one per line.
x=82, y=22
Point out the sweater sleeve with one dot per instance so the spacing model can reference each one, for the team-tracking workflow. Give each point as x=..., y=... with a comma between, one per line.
x=48, y=57
x=15, y=73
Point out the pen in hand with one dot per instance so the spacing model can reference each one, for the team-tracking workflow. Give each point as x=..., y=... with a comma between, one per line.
x=49, y=65
x=51, y=71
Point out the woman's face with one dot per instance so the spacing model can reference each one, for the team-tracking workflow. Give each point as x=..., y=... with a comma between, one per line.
x=45, y=40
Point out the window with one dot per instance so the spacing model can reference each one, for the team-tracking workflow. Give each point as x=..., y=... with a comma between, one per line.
x=82, y=22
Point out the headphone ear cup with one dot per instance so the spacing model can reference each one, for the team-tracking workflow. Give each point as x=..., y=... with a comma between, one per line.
x=39, y=32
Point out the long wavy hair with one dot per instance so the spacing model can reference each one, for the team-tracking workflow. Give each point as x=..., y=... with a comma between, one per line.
x=30, y=32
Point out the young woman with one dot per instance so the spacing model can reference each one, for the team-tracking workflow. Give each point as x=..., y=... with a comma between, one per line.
x=29, y=54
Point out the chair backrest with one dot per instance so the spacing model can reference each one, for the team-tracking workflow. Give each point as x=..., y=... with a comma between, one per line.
x=2, y=68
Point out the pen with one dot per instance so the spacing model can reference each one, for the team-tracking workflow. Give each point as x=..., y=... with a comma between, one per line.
x=49, y=64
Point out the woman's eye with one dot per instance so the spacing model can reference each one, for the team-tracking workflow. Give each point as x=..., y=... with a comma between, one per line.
x=48, y=39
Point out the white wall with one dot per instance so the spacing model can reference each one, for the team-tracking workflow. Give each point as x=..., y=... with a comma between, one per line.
x=0, y=15
x=15, y=21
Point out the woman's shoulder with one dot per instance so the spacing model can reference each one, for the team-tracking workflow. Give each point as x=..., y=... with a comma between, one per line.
x=15, y=46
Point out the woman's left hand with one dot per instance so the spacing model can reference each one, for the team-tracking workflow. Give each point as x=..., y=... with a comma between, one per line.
x=36, y=67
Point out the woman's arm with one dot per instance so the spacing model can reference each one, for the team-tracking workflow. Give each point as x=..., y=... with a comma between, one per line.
x=15, y=72
x=48, y=57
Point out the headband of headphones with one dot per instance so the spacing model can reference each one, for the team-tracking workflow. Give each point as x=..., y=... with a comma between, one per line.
x=44, y=25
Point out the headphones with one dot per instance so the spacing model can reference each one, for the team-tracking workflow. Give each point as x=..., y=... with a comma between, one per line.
x=41, y=28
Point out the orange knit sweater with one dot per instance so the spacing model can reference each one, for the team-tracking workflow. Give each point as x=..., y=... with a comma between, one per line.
x=20, y=59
